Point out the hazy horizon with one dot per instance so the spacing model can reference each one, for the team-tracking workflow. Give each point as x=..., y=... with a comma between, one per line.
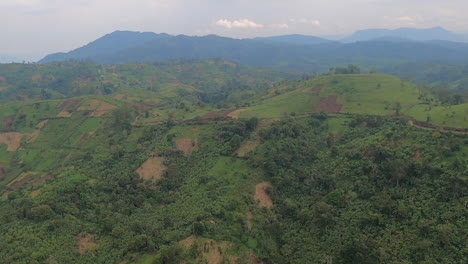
x=34, y=28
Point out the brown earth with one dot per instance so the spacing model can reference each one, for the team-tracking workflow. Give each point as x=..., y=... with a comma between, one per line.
x=317, y=89
x=85, y=243
x=23, y=179
x=186, y=145
x=85, y=136
x=3, y=88
x=2, y=79
x=69, y=105
x=261, y=195
x=36, y=77
x=7, y=122
x=151, y=169
x=140, y=106
x=103, y=109
x=236, y=113
x=42, y=179
x=12, y=140
x=217, y=114
x=3, y=169
x=417, y=155
x=328, y=104
x=90, y=105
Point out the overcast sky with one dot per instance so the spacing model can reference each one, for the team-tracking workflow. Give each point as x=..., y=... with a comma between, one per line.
x=33, y=28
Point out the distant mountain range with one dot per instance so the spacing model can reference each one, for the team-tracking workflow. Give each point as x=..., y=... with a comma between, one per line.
x=8, y=59
x=428, y=34
x=371, y=48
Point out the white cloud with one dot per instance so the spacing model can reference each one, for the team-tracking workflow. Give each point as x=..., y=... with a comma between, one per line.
x=407, y=19
x=305, y=21
x=242, y=23
x=280, y=26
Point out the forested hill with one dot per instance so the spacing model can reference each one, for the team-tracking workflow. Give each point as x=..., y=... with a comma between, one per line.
x=291, y=53
x=213, y=162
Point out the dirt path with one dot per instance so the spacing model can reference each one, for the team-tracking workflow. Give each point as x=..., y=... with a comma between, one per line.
x=261, y=195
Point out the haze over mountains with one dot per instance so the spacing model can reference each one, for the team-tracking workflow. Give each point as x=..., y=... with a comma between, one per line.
x=369, y=48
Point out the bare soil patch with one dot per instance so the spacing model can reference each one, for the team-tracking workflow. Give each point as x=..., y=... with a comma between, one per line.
x=328, y=104
x=12, y=140
x=85, y=136
x=151, y=169
x=90, y=105
x=7, y=122
x=3, y=169
x=3, y=88
x=211, y=251
x=103, y=109
x=2, y=79
x=42, y=179
x=417, y=155
x=69, y=105
x=262, y=196
x=36, y=77
x=317, y=89
x=22, y=179
x=236, y=113
x=85, y=243
x=186, y=145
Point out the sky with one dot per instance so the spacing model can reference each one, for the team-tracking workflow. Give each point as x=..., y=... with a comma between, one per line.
x=31, y=29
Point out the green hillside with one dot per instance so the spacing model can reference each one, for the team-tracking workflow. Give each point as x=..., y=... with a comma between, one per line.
x=213, y=162
x=376, y=94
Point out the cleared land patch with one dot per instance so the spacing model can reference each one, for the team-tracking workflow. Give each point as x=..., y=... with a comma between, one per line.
x=236, y=113
x=69, y=105
x=186, y=145
x=21, y=179
x=328, y=104
x=7, y=122
x=36, y=77
x=13, y=139
x=3, y=169
x=3, y=88
x=103, y=109
x=151, y=169
x=262, y=196
x=85, y=243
